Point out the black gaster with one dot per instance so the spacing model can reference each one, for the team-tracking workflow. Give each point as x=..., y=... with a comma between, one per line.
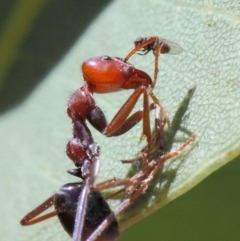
x=65, y=202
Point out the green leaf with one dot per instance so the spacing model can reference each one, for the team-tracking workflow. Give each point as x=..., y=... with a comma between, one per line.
x=15, y=29
x=34, y=135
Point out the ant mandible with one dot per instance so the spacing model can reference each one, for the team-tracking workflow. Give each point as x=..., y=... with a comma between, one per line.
x=102, y=75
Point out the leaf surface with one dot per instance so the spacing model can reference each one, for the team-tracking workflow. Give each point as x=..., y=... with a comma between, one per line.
x=34, y=135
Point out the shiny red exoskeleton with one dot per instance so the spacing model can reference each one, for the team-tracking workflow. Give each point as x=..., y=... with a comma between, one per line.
x=80, y=208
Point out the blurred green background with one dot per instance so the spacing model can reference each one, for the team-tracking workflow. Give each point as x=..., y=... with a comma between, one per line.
x=34, y=35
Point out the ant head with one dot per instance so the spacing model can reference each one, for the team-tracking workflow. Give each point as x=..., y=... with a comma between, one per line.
x=106, y=74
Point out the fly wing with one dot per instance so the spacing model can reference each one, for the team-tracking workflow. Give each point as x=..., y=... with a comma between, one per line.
x=174, y=47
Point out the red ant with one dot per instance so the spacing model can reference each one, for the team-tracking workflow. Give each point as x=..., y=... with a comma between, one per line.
x=74, y=202
x=106, y=74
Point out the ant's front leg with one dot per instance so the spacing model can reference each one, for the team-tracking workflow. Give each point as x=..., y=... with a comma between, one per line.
x=121, y=123
x=144, y=44
x=132, y=121
x=121, y=120
x=148, y=44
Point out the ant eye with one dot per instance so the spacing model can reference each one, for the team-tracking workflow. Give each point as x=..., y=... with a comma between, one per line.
x=105, y=57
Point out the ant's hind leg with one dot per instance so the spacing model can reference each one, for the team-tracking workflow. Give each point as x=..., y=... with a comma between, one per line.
x=30, y=219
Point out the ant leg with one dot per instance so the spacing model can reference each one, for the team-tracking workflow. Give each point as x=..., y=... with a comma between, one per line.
x=90, y=169
x=81, y=211
x=156, y=42
x=121, y=116
x=132, y=121
x=123, y=113
x=111, y=184
x=121, y=208
x=140, y=46
x=160, y=123
x=125, y=204
x=156, y=66
x=120, y=122
x=30, y=219
x=157, y=164
x=160, y=161
x=146, y=120
x=113, y=195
